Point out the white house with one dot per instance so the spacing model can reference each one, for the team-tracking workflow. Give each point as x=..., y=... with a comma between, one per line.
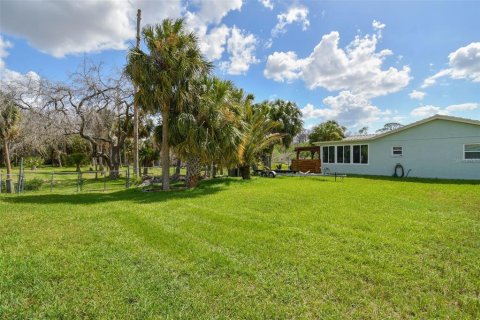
x=436, y=147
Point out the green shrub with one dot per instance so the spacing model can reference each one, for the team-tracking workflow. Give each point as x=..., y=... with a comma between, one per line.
x=34, y=184
x=77, y=159
x=33, y=162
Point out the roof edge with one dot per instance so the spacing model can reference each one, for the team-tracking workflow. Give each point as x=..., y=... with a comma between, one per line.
x=408, y=126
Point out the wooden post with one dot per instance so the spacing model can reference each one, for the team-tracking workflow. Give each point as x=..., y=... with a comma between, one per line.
x=136, y=168
x=19, y=184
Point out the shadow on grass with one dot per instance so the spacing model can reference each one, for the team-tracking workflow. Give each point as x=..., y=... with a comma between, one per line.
x=205, y=188
x=418, y=180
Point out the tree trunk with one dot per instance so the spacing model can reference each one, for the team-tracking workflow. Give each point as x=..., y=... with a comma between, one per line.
x=102, y=167
x=178, y=167
x=9, y=180
x=59, y=158
x=208, y=171
x=194, y=168
x=115, y=163
x=145, y=171
x=214, y=169
x=95, y=166
x=165, y=151
x=78, y=166
x=269, y=159
x=245, y=172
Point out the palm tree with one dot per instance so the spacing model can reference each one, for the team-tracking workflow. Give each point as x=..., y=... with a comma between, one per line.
x=164, y=75
x=9, y=120
x=327, y=131
x=258, y=135
x=289, y=118
x=208, y=130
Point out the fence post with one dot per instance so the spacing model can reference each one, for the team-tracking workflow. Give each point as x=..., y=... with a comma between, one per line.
x=19, y=184
x=51, y=182
x=78, y=182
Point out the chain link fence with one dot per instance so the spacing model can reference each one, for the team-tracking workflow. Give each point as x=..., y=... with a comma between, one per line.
x=66, y=181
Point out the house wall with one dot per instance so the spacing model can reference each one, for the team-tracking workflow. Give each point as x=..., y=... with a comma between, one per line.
x=430, y=150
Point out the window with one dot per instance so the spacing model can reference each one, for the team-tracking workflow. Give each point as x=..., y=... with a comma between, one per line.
x=397, y=151
x=331, y=154
x=364, y=154
x=471, y=151
x=360, y=154
x=343, y=154
x=356, y=154
x=328, y=154
x=325, y=154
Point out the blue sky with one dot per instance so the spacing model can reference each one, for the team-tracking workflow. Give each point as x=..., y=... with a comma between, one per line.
x=361, y=63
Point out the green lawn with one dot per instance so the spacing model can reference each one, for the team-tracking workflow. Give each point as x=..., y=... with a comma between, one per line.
x=268, y=248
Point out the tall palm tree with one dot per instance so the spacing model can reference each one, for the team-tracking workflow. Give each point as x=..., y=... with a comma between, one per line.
x=164, y=75
x=9, y=120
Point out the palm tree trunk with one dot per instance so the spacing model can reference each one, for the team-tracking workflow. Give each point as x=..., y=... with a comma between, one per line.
x=8, y=181
x=165, y=150
x=193, y=171
x=245, y=172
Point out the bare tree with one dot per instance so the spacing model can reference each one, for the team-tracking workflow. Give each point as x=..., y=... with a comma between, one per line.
x=96, y=107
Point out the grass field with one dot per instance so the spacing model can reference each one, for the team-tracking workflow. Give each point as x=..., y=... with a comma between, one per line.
x=268, y=248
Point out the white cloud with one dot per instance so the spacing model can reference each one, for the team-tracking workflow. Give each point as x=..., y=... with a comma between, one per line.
x=212, y=44
x=210, y=14
x=377, y=25
x=4, y=46
x=463, y=107
x=430, y=110
x=294, y=14
x=241, y=48
x=464, y=63
x=64, y=27
x=60, y=28
x=155, y=11
x=267, y=4
x=283, y=66
x=213, y=11
x=347, y=108
x=426, y=111
x=433, y=79
x=357, y=68
x=10, y=76
x=418, y=95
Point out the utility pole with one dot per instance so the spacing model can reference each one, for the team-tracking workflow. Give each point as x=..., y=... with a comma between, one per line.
x=136, y=168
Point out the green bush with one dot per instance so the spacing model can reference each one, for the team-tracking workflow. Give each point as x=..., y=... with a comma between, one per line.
x=33, y=162
x=34, y=184
x=78, y=159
